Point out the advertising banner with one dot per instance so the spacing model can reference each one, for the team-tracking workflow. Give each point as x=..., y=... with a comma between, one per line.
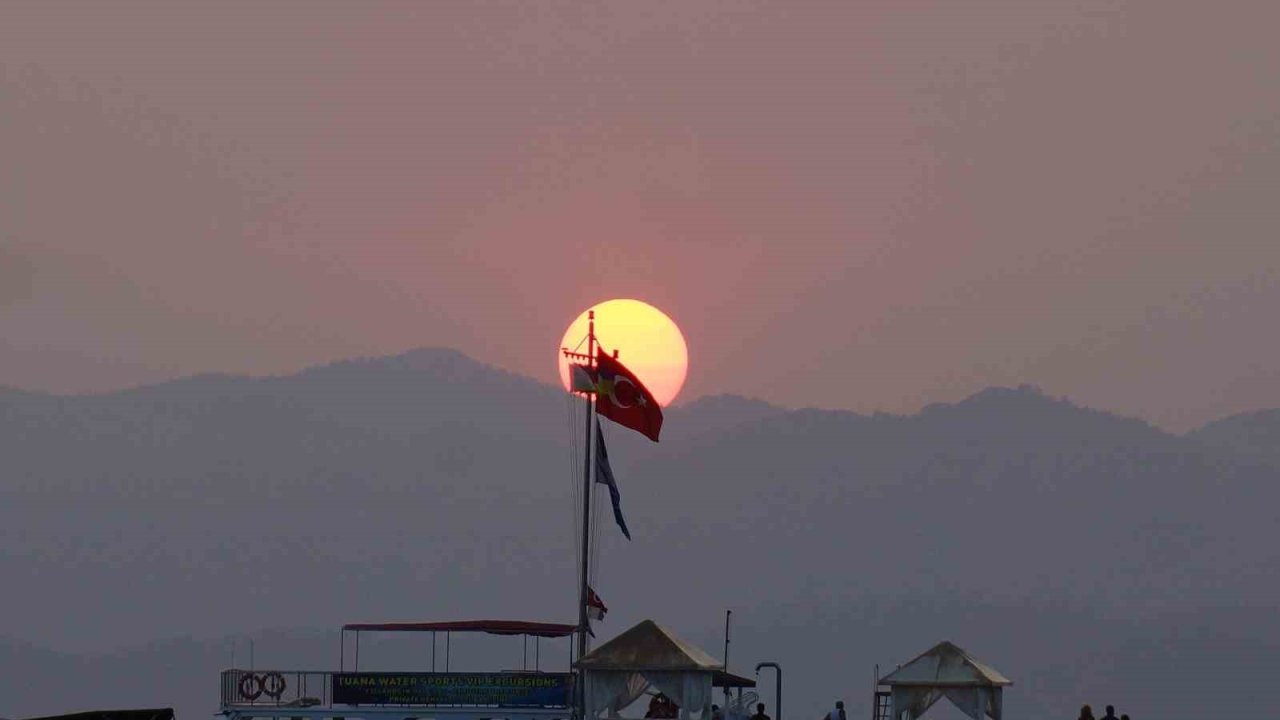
x=500, y=689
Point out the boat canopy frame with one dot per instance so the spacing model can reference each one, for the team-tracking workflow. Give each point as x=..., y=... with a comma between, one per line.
x=523, y=628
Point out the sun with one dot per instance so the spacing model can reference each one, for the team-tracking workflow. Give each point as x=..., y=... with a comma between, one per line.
x=648, y=342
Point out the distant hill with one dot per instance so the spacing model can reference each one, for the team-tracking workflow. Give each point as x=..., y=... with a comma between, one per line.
x=717, y=413
x=1247, y=435
x=428, y=485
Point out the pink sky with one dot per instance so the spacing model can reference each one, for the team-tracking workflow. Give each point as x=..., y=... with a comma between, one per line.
x=863, y=205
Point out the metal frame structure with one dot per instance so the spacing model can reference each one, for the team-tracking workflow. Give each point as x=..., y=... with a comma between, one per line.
x=536, y=630
x=777, y=686
x=308, y=694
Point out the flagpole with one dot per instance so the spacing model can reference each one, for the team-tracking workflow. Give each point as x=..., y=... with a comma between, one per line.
x=588, y=447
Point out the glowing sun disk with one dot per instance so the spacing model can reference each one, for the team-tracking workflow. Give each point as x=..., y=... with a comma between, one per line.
x=648, y=342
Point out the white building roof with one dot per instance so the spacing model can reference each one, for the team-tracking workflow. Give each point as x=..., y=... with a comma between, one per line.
x=649, y=646
x=945, y=665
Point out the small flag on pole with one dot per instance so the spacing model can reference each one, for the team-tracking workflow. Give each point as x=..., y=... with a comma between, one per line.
x=604, y=476
x=595, y=606
x=581, y=379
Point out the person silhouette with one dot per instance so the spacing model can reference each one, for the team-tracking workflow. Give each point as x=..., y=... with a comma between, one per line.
x=662, y=708
x=838, y=713
x=1111, y=713
x=1086, y=712
x=760, y=713
x=1124, y=717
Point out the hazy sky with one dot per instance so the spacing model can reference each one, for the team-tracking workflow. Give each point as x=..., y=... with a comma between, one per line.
x=868, y=205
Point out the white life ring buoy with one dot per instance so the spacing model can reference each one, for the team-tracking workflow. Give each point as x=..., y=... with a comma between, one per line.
x=250, y=686
x=273, y=685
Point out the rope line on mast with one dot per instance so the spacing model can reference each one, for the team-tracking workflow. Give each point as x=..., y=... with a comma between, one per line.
x=575, y=492
x=595, y=538
x=584, y=559
x=595, y=523
x=575, y=421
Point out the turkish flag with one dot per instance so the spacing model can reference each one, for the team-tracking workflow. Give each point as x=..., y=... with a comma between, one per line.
x=595, y=606
x=621, y=397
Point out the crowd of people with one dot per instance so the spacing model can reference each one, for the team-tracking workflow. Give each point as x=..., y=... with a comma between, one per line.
x=836, y=714
x=1086, y=713
x=718, y=714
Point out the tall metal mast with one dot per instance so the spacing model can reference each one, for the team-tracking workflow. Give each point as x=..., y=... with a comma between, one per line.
x=588, y=448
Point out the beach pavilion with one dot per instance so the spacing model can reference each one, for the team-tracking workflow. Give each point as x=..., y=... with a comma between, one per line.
x=945, y=670
x=648, y=658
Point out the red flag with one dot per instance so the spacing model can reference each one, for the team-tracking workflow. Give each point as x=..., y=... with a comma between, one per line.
x=595, y=606
x=621, y=397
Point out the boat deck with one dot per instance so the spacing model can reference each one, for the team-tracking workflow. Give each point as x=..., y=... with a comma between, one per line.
x=372, y=696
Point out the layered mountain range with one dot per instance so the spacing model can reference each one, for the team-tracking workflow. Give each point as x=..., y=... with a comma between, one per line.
x=1089, y=557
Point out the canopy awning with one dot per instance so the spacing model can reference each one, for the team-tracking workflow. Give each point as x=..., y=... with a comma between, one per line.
x=723, y=679
x=648, y=655
x=649, y=646
x=945, y=664
x=492, y=627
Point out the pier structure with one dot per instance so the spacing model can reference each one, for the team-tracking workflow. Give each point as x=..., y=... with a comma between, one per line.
x=647, y=660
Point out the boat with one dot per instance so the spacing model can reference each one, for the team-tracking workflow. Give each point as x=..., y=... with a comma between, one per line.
x=528, y=693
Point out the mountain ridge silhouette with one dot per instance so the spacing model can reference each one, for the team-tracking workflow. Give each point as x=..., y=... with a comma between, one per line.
x=430, y=486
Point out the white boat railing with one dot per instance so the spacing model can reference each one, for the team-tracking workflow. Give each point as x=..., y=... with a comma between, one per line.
x=302, y=689
x=276, y=688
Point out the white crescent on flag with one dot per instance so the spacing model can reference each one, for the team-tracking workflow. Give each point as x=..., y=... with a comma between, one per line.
x=613, y=391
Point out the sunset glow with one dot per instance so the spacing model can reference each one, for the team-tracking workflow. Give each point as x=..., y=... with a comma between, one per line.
x=649, y=344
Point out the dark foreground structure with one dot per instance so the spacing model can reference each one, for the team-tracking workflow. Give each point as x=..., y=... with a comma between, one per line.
x=645, y=660
x=150, y=714
x=440, y=694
